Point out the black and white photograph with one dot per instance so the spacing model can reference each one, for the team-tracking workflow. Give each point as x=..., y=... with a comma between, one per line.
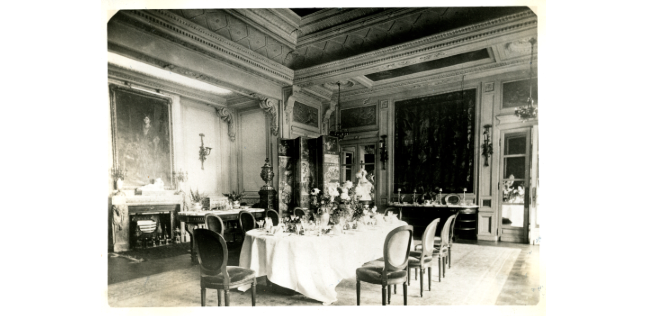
x=199, y=157
x=431, y=199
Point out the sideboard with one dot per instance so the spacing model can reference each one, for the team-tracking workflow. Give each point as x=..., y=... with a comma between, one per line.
x=419, y=216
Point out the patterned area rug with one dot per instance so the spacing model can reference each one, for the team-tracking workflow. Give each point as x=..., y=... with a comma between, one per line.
x=477, y=276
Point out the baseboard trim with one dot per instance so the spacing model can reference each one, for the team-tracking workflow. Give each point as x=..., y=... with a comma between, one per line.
x=489, y=238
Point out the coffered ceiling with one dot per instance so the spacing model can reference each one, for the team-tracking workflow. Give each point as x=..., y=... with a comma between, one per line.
x=364, y=48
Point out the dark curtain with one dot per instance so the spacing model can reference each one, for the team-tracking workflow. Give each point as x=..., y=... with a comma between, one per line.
x=434, y=144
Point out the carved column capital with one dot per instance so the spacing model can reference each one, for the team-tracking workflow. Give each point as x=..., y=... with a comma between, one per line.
x=227, y=117
x=269, y=105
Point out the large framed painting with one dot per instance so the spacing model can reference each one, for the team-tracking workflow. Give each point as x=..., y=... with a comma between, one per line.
x=142, y=136
x=516, y=93
x=360, y=118
x=306, y=116
x=434, y=143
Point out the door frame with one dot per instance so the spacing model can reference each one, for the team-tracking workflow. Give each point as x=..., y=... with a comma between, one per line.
x=527, y=131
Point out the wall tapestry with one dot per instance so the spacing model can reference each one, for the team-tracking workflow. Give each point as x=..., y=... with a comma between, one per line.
x=305, y=114
x=142, y=143
x=434, y=143
x=516, y=93
x=359, y=117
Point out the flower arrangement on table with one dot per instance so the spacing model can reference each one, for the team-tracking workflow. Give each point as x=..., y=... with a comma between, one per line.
x=235, y=198
x=339, y=204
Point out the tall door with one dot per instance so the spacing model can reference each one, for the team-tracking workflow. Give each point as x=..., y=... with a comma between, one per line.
x=515, y=165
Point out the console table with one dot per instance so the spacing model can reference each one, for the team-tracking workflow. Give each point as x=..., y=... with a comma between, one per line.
x=419, y=216
x=125, y=207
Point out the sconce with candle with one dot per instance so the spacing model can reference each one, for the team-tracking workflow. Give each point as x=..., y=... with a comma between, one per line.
x=383, y=150
x=203, y=152
x=487, y=146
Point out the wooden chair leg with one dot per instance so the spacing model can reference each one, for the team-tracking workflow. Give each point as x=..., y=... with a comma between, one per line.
x=449, y=258
x=444, y=264
x=388, y=294
x=219, y=297
x=203, y=295
x=358, y=291
x=439, y=269
x=395, y=289
x=422, y=269
x=404, y=294
x=429, y=278
x=415, y=273
x=384, y=295
x=408, y=275
x=254, y=293
x=226, y=297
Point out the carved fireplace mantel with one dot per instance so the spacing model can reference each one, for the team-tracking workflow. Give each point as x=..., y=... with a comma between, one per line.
x=124, y=207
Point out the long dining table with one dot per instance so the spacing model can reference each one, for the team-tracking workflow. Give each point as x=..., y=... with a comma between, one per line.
x=313, y=265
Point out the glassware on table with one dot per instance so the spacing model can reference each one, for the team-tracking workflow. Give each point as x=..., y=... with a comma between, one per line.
x=298, y=227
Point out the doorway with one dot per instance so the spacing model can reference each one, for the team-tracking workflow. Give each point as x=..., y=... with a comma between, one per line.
x=514, y=166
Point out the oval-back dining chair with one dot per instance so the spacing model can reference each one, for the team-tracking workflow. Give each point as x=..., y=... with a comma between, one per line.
x=424, y=259
x=393, y=268
x=299, y=212
x=214, y=272
x=396, y=210
x=215, y=224
x=273, y=215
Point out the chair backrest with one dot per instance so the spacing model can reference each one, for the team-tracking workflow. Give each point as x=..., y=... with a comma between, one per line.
x=215, y=223
x=273, y=215
x=428, y=239
x=212, y=253
x=452, y=226
x=395, y=210
x=445, y=233
x=246, y=221
x=298, y=211
x=397, y=248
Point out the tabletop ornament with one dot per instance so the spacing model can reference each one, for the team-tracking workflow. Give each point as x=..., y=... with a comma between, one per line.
x=342, y=205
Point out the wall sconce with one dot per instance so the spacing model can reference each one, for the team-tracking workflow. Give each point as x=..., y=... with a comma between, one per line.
x=383, y=150
x=204, y=152
x=487, y=146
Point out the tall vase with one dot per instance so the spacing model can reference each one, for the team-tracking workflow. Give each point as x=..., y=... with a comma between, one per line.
x=119, y=184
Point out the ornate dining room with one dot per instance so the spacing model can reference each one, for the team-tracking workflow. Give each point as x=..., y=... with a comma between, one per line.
x=323, y=157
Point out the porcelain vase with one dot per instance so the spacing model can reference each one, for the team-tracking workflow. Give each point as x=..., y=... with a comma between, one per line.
x=236, y=204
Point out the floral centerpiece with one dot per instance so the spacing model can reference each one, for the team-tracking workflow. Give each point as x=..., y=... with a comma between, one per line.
x=197, y=199
x=339, y=205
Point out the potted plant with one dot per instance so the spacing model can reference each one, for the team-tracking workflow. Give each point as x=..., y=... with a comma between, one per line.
x=197, y=200
x=235, y=198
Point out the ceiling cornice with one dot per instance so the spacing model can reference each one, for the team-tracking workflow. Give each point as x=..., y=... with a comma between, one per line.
x=120, y=73
x=197, y=38
x=424, y=49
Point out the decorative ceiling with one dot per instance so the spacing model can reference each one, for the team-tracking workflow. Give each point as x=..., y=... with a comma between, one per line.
x=302, y=12
x=312, y=49
x=326, y=35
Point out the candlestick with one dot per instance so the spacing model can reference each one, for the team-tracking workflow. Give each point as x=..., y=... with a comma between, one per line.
x=464, y=195
x=399, y=200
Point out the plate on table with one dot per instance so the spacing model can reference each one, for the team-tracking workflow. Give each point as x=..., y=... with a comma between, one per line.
x=452, y=199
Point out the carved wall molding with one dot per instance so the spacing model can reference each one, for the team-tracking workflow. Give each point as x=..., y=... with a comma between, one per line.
x=119, y=73
x=197, y=38
x=228, y=118
x=421, y=46
x=269, y=106
x=268, y=19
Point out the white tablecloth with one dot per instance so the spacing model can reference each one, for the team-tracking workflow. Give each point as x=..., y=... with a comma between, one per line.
x=312, y=265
